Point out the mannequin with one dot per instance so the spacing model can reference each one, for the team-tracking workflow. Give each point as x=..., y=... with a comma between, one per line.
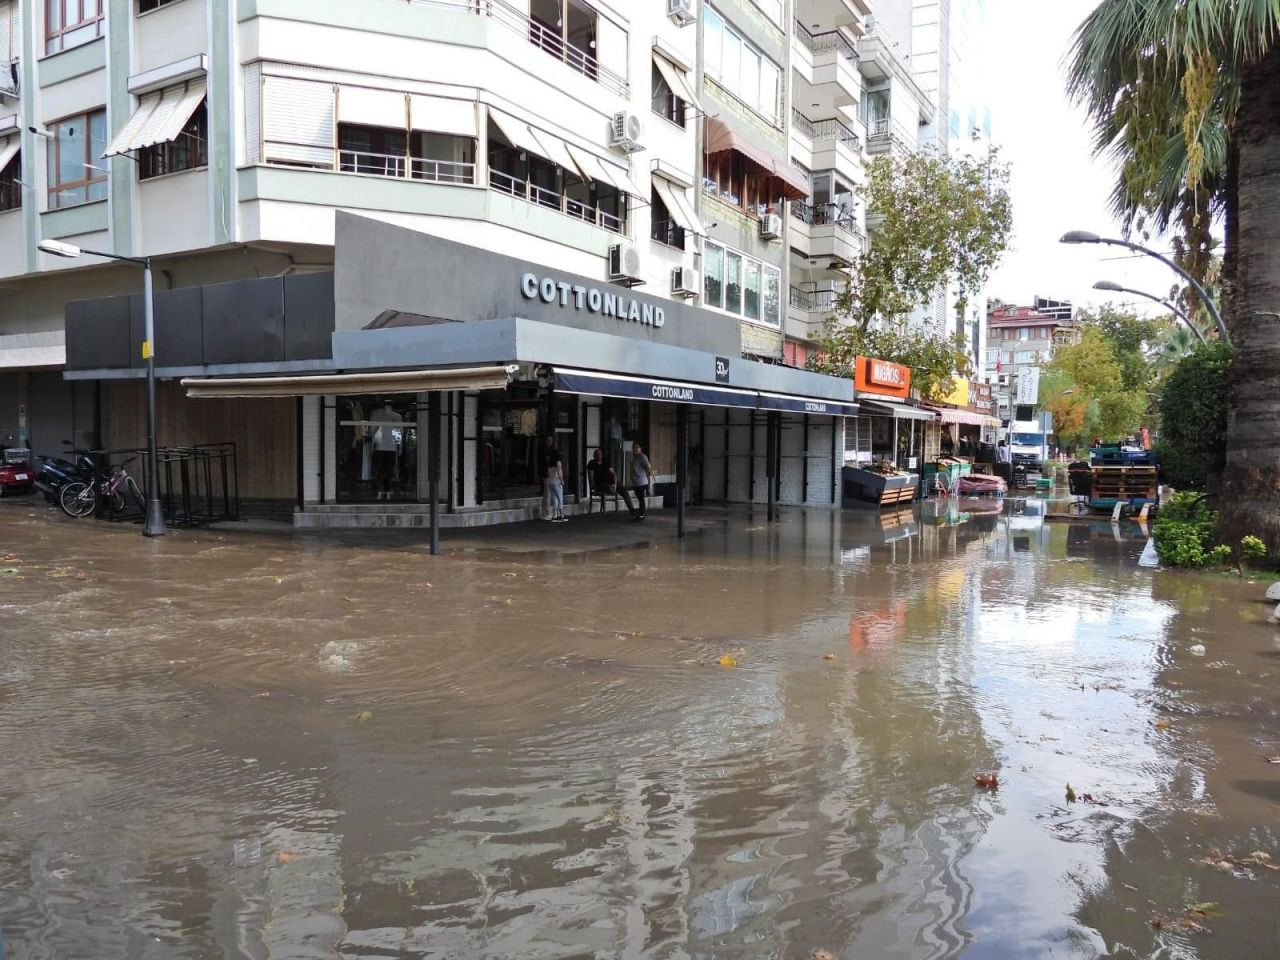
x=385, y=448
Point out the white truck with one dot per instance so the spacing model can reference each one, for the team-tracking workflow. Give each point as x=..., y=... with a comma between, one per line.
x=1028, y=443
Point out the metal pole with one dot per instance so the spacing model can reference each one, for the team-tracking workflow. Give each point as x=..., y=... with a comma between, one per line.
x=682, y=465
x=154, y=524
x=1195, y=284
x=1168, y=305
x=770, y=452
x=433, y=466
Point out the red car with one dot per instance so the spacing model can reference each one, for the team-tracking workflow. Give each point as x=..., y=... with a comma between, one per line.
x=16, y=475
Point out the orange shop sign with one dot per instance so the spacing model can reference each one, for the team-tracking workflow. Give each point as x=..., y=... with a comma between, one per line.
x=880, y=376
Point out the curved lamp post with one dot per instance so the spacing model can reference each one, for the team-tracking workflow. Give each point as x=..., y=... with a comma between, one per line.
x=1084, y=236
x=1167, y=304
x=153, y=526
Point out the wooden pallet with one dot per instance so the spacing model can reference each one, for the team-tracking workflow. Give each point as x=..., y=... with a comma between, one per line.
x=1124, y=483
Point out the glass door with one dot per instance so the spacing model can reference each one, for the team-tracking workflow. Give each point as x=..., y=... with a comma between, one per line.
x=512, y=423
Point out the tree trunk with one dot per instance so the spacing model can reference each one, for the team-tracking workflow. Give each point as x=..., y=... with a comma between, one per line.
x=1231, y=233
x=1251, y=481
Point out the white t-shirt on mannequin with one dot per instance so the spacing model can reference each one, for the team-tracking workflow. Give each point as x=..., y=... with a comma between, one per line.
x=383, y=438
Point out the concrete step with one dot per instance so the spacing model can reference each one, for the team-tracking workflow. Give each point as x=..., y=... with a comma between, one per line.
x=418, y=515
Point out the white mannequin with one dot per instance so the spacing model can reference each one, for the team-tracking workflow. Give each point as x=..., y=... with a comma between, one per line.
x=385, y=447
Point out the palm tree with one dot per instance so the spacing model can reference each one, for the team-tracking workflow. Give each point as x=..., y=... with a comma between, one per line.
x=1174, y=343
x=1209, y=71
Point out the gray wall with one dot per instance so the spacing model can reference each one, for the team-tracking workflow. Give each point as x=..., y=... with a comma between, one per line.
x=384, y=267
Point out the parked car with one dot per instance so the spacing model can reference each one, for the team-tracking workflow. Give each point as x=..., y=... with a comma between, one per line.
x=16, y=475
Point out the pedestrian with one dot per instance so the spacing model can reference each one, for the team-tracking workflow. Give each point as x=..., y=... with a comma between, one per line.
x=604, y=482
x=641, y=477
x=1003, y=468
x=551, y=470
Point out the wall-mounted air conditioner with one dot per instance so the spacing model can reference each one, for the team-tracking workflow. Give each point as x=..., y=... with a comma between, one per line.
x=625, y=132
x=684, y=282
x=681, y=11
x=624, y=264
x=770, y=226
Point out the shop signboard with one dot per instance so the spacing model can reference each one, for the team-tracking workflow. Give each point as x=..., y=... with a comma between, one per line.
x=875, y=376
x=981, y=399
x=1028, y=389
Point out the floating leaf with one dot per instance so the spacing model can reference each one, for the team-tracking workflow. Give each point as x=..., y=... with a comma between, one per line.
x=364, y=716
x=986, y=781
x=828, y=656
x=1163, y=724
x=287, y=856
x=727, y=661
x=1071, y=794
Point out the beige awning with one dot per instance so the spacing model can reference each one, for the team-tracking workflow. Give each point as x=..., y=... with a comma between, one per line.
x=348, y=384
x=604, y=171
x=554, y=149
x=677, y=79
x=517, y=133
x=442, y=115
x=159, y=118
x=677, y=203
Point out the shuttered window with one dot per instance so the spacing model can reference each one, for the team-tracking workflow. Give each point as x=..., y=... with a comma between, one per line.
x=298, y=122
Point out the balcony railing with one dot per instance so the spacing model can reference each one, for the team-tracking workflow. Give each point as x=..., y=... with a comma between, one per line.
x=544, y=37
x=821, y=214
x=551, y=199
x=805, y=37
x=878, y=127
x=813, y=300
x=834, y=40
x=819, y=131
x=398, y=165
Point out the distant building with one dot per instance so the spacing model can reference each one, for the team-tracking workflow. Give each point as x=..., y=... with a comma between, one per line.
x=1021, y=337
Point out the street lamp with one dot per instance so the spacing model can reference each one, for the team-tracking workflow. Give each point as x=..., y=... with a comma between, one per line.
x=1084, y=236
x=1167, y=304
x=153, y=524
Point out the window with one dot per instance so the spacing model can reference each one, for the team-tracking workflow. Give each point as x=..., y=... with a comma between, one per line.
x=567, y=30
x=11, y=184
x=713, y=276
x=742, y=69
x=1024, y=333
x=665, y=103
x=1025, y=356
x=146, y=6
x=70, y=23
x=771, y=9
x=1008, y=356
x=74, y=174
x=751, y=290
x=189, y=150
x=663, y=228
x=739, y=183
x=393, y=152
x=741, y=285
x=993, y=356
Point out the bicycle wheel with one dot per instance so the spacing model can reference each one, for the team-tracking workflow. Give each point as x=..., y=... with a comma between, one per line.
x=1079, y=507
x=117, y=502
x=77, y=499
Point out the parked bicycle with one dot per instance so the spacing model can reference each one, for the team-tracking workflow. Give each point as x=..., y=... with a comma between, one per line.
x=81, y=499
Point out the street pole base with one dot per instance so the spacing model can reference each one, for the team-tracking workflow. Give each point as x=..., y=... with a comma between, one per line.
x=154, y=524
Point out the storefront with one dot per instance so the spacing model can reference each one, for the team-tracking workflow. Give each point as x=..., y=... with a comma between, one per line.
x=889, y=427
x=438, y=384
x=968, y=427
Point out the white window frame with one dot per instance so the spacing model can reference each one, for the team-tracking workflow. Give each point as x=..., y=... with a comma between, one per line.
x=717, y=67
x=763, y=269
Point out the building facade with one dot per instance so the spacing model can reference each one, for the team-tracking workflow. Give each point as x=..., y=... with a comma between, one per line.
x=1022, y=337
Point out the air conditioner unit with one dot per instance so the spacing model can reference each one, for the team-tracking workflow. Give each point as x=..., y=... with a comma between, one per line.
x=625, y=132
x=684, y=282
x=681, y=11
x=770, y=226
x=1004, y=379
x=624, y=264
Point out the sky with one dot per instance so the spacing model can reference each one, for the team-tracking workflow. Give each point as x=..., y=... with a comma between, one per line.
x=1057, y=184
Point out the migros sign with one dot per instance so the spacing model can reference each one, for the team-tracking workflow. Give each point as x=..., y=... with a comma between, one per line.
x=872, y=375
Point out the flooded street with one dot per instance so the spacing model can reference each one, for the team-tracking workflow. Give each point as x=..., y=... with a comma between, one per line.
x=227, y=744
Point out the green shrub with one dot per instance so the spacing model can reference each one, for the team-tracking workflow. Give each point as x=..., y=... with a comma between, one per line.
x=1193, y=417
x=1183, y=533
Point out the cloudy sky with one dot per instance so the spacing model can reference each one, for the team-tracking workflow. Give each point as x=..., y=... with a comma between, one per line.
x=1057, y=184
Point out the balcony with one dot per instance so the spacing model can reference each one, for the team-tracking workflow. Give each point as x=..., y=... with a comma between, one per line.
x=541, y=36
x=551, y=199
x=835, y=145
x=827, y=63
x=885, y=134
x=813, y=301
x=825, y=231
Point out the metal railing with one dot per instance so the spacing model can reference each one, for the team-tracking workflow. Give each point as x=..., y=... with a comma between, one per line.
x=543, y=36
x=812, y=300
x=878, y=127
x=398, y=165
x=805, y=36
x=834, y=40
x=801, y=211
x=822, y=214
x=544, y=197
x=820, y=131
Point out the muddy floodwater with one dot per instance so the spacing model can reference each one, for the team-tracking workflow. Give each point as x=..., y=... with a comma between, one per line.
x=589, y=741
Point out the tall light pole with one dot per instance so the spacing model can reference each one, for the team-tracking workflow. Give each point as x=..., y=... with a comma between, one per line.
x=1084, y=236
x=153, y=523
x=1167, y=304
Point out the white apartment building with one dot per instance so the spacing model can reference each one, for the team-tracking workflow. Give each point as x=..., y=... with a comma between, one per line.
x=641, y=151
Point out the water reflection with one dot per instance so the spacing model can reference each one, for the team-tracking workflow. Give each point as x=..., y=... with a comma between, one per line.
x=530, y=752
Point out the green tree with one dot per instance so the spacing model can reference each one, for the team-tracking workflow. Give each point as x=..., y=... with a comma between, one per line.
x=938, y=222
x=1207, y=71
x=1131, y=338
x=1193, y=417
x=1100, y=404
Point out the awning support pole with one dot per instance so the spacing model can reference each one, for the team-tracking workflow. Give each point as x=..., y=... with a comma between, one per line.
x=682, y=465
x=771, y=460
x=433, y=466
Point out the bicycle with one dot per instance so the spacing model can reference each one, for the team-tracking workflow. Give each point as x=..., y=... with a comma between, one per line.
x=81, y=499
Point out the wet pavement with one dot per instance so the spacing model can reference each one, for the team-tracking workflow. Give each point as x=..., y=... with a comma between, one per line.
x=252, y=745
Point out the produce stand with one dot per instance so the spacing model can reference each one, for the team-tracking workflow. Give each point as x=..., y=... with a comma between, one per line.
x=862, y=488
